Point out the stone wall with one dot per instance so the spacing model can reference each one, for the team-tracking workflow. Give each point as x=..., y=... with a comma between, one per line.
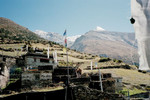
x=36, y=79
x=85, y=93
x=60, y=74
x=108, y=82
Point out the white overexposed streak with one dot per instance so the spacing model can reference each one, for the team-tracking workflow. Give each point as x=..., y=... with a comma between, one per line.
x=140, y=10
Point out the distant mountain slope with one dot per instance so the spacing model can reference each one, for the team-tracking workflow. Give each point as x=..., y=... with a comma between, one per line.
x=55, y=37
x=50, y=36
x=105, y=43
x=10, y=31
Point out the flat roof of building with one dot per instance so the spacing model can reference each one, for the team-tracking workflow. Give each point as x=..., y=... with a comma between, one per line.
x=38, y=55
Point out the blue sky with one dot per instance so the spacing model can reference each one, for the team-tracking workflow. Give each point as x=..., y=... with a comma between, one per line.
x=77, y=16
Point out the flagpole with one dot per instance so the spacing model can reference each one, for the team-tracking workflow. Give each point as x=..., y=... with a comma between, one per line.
x=67, y=59
x=65, y=35
x=67, y=84
x=67, y=66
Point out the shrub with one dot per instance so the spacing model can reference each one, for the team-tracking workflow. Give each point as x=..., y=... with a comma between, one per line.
x=104, y=59
x=117, y=61
x=18, y=70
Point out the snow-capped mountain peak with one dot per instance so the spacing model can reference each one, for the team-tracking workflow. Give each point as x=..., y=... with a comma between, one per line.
x=52, y=36
x=98, y=28
x=40, y=32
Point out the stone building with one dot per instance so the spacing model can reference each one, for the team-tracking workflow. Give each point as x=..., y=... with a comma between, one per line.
x=6, y=62
x=36, y=79
x=62, y=73
x=38, y=61
x=37, y=70
x=110, y=84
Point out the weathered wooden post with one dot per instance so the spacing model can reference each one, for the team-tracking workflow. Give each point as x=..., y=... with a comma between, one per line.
x=100, y=79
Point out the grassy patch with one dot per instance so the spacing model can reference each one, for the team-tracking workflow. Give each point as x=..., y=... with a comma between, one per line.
x=131, y=91
x=48, y=89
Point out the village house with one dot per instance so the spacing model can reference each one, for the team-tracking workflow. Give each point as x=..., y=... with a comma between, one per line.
x=38, y=70
x=110, y=84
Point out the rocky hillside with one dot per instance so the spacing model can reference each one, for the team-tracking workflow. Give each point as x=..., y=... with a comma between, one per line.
x=12, y=32
x=117, y=45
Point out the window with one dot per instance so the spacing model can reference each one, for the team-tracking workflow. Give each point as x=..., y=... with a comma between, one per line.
x=48, y=67
x=34, y=59
x=44, y=60
x=37, y=77
x=4, y=59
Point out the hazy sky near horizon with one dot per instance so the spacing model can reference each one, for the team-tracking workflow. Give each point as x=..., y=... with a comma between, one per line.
x=77, y=16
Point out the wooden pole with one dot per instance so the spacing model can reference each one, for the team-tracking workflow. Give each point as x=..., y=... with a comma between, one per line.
x=100, y=79
x=67, y=66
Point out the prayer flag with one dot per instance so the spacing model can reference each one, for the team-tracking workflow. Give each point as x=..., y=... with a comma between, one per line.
x=65, y=37
x=91, y=65
x=48, y=52
x=65, y=33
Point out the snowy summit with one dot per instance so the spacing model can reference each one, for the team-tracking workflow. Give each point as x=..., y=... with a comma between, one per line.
x=41, y=33
x=99, y=29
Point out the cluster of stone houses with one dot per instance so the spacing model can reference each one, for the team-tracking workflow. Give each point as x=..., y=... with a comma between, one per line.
x=38, y=70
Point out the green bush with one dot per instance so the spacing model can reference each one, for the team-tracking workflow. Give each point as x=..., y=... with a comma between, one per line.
x=18, y=70
x=117, y=61
x=104, y=59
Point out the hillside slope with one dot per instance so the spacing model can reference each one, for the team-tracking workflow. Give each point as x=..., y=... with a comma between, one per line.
x=12, y=32
x=132, y=79
x=116, y=45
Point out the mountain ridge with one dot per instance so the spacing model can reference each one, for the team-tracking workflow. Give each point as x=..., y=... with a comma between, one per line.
x=117, y=45
x=13, y=32
x=56, y=37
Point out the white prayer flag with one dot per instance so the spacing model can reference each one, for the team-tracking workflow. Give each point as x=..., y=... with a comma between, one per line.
x=91, y=65
x=55, y=56
x=48, y=52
